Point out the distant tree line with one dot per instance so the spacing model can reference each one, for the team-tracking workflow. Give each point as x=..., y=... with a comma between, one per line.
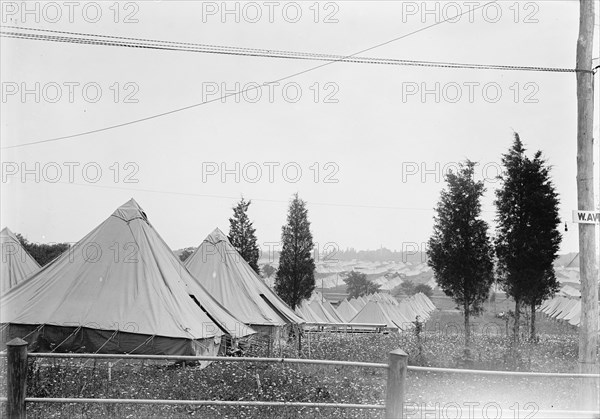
x=408, y=287
x=358, y=285
x=43, y=253
x=383, y=254
x=186, y=253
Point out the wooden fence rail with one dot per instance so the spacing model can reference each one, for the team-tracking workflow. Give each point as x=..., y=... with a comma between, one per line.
x=397, y=368
x=209, y=358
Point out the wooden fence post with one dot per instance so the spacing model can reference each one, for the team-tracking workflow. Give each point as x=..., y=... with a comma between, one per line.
x=299, y=342
x=269, y=343
x=394, y=399
x=16, y=378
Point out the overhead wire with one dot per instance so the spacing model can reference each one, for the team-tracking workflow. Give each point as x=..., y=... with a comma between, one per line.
x=120, y=41
x=264, y=53
x=252, y=88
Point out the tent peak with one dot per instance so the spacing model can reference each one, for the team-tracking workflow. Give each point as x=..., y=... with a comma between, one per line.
x=216, y=236
x=130, y=210
x=7, y=232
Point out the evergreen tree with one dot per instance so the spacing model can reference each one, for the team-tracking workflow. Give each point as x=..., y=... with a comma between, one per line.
x=357, y=285
x=527, y=239
x=295, y=278
x=460, y=251
x=242, y=235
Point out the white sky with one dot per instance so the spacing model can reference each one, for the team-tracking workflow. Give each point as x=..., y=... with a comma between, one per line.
x=368, y=136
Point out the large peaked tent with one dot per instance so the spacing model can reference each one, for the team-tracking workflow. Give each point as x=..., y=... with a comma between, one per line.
x=17, y=264
x=120, y=289
x=222, y=271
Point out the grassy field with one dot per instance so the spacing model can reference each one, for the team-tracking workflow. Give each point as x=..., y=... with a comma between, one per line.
x=439, y=345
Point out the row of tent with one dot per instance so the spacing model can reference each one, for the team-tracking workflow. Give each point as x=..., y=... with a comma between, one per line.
x=121, y=289
x=373, y=309
x=394, y=314
x=563, y=308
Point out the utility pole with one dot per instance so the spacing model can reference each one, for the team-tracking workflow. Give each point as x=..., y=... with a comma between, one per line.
x=588, y=330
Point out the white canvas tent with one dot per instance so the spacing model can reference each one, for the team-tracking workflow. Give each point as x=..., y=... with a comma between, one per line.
x=318, y=308
x=333, y=312
x=307, y=313
x=120, y=289
x=563, y=309
x=17, y=264
x=357, y=303
x=396, y=315
x=346, y=311
x=222, y=271
x=426, y=301
x=374, y=313
x=419, y=307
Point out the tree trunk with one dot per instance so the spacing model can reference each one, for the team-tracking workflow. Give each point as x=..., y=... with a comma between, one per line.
x=517, y=320
x=533, y=322
x=467, y=326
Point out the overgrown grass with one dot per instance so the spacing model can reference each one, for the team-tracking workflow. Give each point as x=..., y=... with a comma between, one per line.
x=442, y=346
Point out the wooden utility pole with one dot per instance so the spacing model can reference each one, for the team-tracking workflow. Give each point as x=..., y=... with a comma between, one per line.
x=588, y=330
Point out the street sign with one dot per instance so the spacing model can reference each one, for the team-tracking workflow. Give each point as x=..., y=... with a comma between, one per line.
x=586, y=217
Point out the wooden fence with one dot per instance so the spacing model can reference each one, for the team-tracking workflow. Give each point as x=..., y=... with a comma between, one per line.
x=397, y=368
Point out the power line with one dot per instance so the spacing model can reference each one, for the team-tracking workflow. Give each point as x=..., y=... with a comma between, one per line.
x=156, y=41
x=139, y=120
x=84, y=38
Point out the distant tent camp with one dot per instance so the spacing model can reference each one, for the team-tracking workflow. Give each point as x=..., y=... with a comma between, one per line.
x=419, y=307
x=549, y=305
x=17, y=264
x=563, y=309
x=308, y=314
x=222, y=271
x=357, y=303
x=346, y=311
x=396, y=315
x=323, y=314
x=374, y=313
x=426, y=301
x=566, y=309
x=333, y=312
x=570, y=291
x=317, y=310
x=560, y=307
x=120, y=289
x=402, y=313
